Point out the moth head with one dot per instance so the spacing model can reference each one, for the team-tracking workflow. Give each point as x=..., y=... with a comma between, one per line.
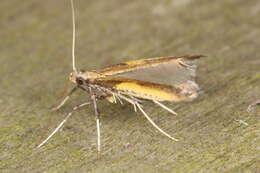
x=83, y=76
x=73, y=76
x=77, y=77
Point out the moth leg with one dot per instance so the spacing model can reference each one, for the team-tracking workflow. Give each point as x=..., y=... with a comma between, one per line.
x=136, y=100
x=153, y=123
x=165, y=107
x=119, y=99
x=65, y=99
x=131, y=100
x=63, y=121
x=114, y=97
x=93, y=97
x=139, y=106
x=135, y=108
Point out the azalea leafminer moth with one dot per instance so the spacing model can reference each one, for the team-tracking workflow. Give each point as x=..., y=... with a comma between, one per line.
x=155, y=79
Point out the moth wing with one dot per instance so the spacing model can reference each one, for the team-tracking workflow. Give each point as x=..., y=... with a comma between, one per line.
x=149, y=90
x=141, y=64
x=171, y=71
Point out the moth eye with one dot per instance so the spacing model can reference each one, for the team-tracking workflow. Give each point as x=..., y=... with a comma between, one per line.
x=80, y=81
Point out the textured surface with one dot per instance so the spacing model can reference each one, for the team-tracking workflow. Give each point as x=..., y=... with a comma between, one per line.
x=35, y=58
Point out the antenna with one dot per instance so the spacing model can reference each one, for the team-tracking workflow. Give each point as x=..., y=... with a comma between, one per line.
x=73, y=36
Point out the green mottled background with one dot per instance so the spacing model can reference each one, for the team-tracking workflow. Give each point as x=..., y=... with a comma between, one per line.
x=35, y=58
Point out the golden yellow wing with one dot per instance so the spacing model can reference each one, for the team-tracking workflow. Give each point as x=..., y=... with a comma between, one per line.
x=149, y=90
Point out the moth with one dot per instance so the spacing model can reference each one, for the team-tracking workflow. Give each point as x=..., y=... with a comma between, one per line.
x=155, y=79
